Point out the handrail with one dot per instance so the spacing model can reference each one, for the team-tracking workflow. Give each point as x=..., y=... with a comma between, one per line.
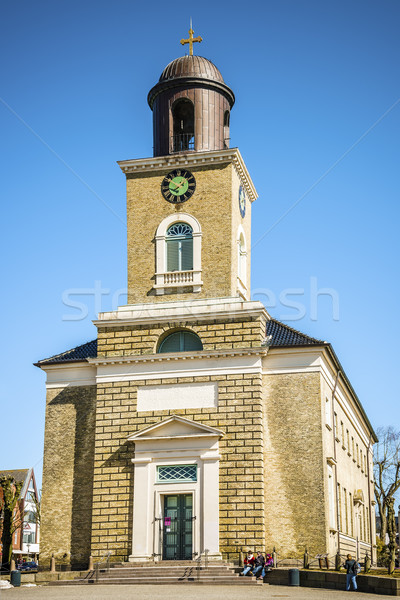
x=199, y=560
x=106, y=557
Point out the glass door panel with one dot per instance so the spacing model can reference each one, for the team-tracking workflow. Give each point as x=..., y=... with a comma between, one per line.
x=177, y=526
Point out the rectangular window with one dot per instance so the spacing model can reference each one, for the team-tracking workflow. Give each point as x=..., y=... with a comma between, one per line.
x=179, y=255
x=365, y=523
x=29, y=538
x=177, y=474
x=339, y=495
x=352, y=447
x=348, y=440
x=368, y=532
x=351, y=515
x=357, y=456
x=335, y=425
x=331, y=498
x=362, y=461
x=346, y=516
x=328, y=416
x=342, y=433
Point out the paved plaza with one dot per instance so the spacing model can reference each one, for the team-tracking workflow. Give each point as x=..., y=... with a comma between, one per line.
x=177, y=592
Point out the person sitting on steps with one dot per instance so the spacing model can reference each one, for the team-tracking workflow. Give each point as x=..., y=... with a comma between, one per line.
x=259, y=565
x=249, y=563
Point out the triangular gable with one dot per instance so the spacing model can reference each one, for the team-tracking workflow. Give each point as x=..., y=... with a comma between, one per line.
x=177, y=427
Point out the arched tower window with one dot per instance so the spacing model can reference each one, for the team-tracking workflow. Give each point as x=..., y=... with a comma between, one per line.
x=181, y=341
x=178, y=254
x=183, y=125
x=227, y=117
x=179, y=242
x=242, y=263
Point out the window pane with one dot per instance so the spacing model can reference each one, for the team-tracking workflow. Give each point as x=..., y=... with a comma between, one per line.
x=181, y=341
x=173, y=255
x=191, y=342
x=187, y=255
x=175, y=473
x=171, y=343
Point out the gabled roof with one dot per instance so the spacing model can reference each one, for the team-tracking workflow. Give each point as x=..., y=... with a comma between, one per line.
x=283, y=335
x=78, y=354
x=18, y=475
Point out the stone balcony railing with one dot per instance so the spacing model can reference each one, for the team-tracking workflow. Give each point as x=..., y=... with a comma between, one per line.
x=176, y=279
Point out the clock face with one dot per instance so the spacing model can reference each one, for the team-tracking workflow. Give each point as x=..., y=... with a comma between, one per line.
x=242, y=201
x=178, y=186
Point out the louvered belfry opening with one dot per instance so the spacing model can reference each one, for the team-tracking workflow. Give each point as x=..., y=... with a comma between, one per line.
x=191, y=106
x=183, y=125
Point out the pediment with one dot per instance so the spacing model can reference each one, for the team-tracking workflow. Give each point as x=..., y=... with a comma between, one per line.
x=175, y=427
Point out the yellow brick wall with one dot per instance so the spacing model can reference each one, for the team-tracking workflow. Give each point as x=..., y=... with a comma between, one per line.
x=218, y=335
x=214, y=204
x=294, y=464
x=68, y=476
x=239, y=415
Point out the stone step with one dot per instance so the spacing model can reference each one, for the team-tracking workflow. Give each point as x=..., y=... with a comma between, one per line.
x=161, y=570
x=161, y=565
x=161, y=580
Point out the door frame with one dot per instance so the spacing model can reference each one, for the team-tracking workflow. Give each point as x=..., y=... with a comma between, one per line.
x=193, y=520
x=170, y=490
x=175, y=441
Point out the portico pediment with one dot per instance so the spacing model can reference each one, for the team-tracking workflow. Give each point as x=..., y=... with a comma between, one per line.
x=175, y=427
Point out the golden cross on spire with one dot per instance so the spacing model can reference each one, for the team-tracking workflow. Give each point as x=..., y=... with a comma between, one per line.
x=191, y=39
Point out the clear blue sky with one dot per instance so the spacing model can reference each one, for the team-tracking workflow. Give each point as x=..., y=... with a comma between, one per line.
x=311, y=78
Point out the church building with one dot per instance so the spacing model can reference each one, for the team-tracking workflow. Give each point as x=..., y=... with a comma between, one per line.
x=195, y=421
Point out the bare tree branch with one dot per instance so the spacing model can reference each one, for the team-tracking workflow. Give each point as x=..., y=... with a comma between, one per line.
x=386, y=473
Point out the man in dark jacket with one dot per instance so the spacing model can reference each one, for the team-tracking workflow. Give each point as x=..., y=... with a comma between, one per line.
x=259, y=564
x=352, y=568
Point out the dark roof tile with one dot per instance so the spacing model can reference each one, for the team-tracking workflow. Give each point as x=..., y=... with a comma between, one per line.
x=283, y=335
x=88, y=350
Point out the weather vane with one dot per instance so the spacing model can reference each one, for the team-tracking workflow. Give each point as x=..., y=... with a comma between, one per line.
x=191, y=39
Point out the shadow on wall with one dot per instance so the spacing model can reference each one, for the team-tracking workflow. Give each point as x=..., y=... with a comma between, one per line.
x=83, y=401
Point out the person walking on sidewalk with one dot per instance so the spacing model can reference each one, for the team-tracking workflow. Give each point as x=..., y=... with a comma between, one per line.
x=352, y=569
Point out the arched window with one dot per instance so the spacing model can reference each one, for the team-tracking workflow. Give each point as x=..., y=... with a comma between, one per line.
x=178, y=254
x=242, y=258
x=226, y=128
x=242, y=263
x=181, y=341
x=183, y=125
x=179, y=242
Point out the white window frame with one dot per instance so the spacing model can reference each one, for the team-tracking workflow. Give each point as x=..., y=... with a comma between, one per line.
x=331, y=496
x=241, y=263
x=176, y=279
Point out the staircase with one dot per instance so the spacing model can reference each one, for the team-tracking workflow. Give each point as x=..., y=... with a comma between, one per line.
x=165, y=572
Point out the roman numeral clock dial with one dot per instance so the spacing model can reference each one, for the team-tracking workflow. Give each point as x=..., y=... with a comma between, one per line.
x=178, y=186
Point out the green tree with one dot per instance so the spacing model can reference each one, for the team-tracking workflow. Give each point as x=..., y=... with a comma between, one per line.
x=12, y=519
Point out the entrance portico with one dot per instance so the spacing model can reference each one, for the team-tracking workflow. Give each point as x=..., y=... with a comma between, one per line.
x=176, y=491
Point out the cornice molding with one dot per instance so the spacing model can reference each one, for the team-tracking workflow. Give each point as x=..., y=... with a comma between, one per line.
x=192, y=159
x=173, y=356
x=182, y=312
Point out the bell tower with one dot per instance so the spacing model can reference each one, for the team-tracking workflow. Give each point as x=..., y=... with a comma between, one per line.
x=191, y=107
x=189, y=207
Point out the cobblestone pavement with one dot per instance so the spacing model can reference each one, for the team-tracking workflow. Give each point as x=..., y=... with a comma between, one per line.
x=176, y=592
